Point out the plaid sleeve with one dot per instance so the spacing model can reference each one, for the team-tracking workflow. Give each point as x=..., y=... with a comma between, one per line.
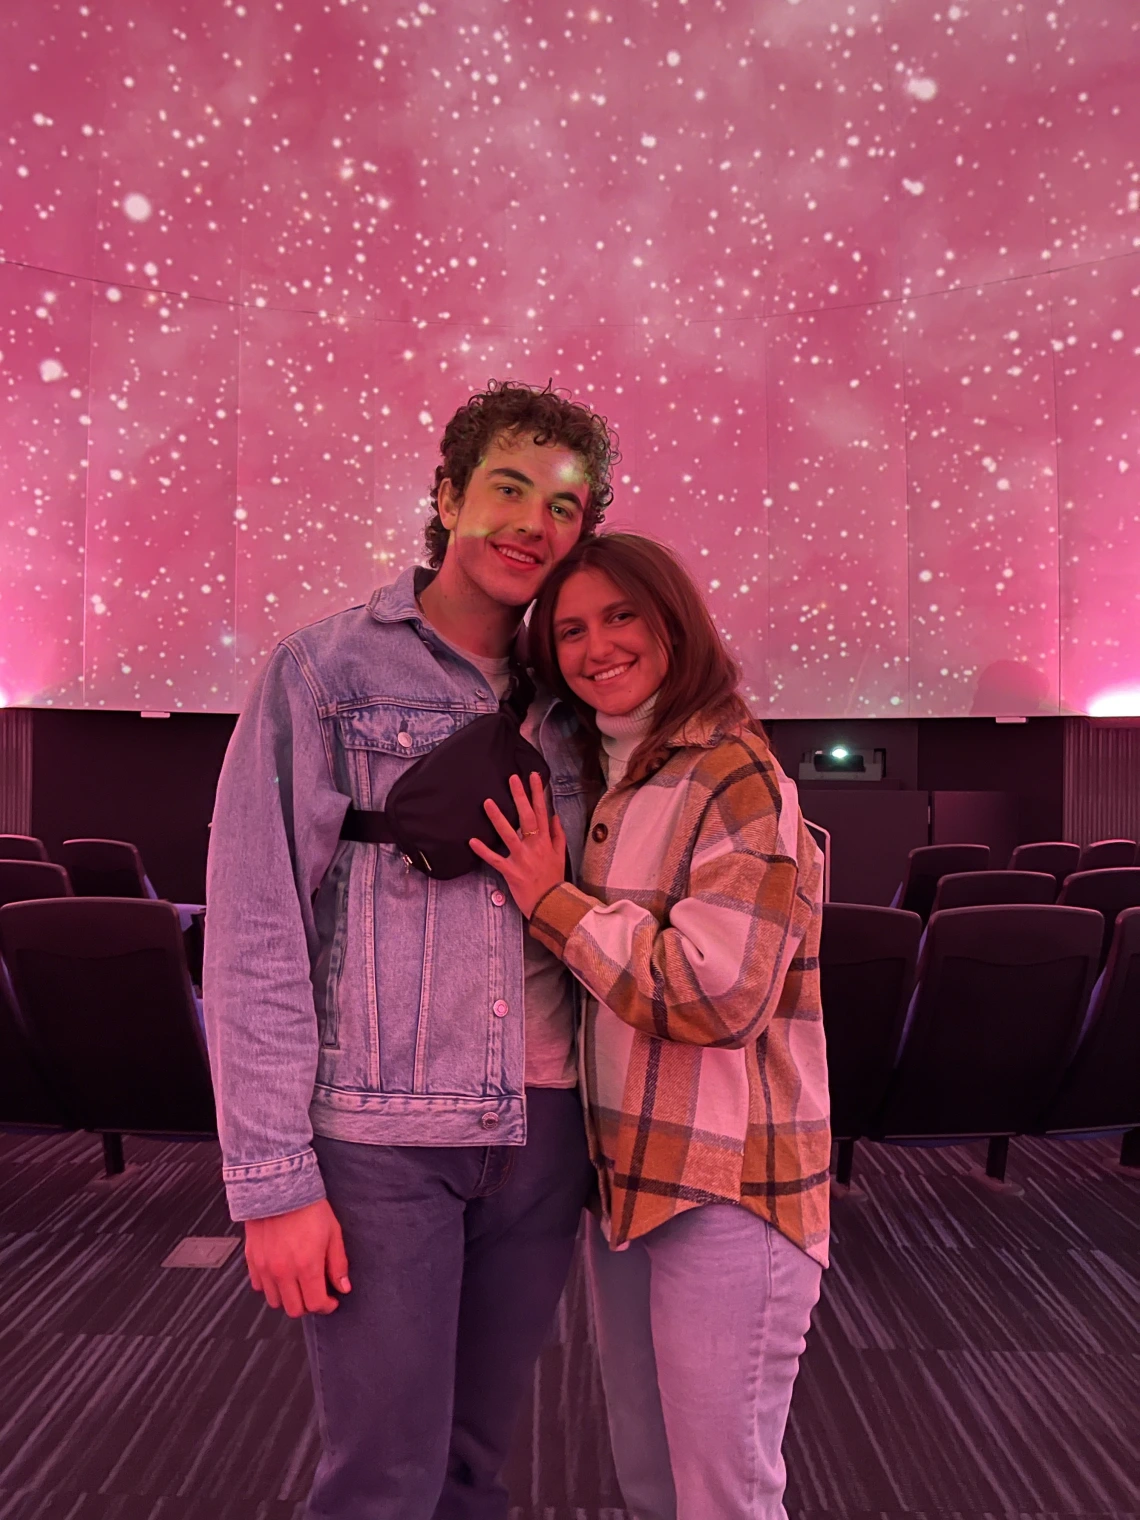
x=713, y=974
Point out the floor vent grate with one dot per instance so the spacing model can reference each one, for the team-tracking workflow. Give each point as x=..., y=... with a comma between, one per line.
x=203, y=1251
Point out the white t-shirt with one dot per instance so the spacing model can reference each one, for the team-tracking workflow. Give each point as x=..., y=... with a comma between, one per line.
x=548, y=998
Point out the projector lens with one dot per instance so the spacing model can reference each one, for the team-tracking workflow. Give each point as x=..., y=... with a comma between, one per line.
x=839, y=758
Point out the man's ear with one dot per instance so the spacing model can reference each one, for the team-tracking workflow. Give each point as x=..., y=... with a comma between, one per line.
x=448, y=503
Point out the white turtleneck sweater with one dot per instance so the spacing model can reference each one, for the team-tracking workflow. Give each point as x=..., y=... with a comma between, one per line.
x=620, y=737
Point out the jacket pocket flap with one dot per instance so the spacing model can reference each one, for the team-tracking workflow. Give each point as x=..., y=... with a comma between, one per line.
x=403, y=731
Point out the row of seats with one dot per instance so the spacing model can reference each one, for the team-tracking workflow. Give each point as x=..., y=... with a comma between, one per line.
x=992, y=1029
x=99, y=1027
x=87, y=868
x=1036, y=873
x=1107, y=892
x=1061, y=859
x=985, y=1025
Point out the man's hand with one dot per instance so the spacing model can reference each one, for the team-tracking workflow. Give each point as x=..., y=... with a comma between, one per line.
x=293, y=1258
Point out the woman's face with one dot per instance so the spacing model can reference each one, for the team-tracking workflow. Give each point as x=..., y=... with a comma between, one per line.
x=607, y=652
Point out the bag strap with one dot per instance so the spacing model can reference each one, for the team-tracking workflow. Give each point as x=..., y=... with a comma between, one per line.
x=520, y=693
x=365, y=827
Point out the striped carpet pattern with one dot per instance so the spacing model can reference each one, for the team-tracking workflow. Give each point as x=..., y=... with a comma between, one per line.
x=975, y=1353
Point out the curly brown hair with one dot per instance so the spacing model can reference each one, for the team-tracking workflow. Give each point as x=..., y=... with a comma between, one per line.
x=509, y=408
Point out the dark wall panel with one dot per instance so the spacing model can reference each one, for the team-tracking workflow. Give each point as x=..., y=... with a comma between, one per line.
x=152, y=781
x=976, y=818
x=872, y=833
x=977, y=754
x=991, y=783
x=115, y=775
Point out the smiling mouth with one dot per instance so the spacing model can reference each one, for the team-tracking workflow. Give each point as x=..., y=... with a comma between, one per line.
x=613, y=673
x=518, y=557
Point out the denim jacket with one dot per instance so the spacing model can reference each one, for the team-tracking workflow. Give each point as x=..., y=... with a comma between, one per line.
x=345, y=994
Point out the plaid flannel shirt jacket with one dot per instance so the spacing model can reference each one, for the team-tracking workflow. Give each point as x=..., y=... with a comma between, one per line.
x=696, y=933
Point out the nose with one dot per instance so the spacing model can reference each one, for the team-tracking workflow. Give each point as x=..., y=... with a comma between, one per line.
x=529, y=517
x=599, y=646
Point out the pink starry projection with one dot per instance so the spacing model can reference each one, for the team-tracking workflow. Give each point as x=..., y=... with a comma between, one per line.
x=858, y=284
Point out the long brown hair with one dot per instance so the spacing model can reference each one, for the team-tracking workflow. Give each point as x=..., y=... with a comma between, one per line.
x=702, y=677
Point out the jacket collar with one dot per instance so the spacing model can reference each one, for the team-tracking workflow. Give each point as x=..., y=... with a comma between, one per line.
x=396, y=603
x=701, y=733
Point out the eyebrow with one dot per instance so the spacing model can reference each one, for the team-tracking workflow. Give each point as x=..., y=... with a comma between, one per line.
x=525, y=480
x=623, y=601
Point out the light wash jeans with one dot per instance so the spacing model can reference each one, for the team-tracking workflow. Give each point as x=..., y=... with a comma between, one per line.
x=700, y=1327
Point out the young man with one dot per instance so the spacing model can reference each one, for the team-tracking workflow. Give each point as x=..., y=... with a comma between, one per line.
x=393, y=1057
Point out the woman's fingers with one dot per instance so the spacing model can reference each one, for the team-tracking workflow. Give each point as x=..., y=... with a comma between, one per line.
x=538, y=802
x=534, y=820
x=485, y=852
x=528, y=821
x=505, y=830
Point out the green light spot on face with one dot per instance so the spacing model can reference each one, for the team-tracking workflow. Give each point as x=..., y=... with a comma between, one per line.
x=570, y=472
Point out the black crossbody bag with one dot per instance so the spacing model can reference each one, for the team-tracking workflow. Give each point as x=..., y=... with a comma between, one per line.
x=436, y=805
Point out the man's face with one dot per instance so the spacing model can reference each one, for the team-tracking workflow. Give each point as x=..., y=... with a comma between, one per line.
x=522, y=511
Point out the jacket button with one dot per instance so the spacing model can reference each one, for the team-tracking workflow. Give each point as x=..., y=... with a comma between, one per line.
x=490, y=1121
x=599, y=833
x=498, y=899
x=500, y=1008
x=404, y=740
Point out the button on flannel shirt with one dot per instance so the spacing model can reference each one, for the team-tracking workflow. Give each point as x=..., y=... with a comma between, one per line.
x=696, y=932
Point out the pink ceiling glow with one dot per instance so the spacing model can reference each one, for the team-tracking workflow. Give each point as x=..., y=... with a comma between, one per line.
x=858, y=283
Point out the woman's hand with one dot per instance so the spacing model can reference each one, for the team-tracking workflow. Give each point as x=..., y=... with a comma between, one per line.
x=535, y=862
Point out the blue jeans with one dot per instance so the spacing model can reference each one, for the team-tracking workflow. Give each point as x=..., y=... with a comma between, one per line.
x=458, y=1256
x=700, y=1325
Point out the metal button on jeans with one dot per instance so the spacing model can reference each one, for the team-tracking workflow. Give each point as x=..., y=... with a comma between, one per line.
x=498, y=898
x=500, y=1007
x=404, y=740
x=599, y=833
x=490, y=1121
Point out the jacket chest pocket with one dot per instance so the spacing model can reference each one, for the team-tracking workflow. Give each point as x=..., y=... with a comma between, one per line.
x=379, y=742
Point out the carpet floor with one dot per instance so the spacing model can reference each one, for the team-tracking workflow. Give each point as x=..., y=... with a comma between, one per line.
x=974, y=1353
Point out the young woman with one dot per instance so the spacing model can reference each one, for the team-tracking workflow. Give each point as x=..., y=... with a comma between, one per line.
x=695, y=931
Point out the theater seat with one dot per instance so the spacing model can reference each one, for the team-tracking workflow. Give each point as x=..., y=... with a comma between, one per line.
x=1000, y=997
x=21, y=847
x=1107, y=854
x=1108, y=891
x=1101, y=1088
x=929, y=862
x=866, y=970
x=21, y=880
x=105, y=997
x=26, y=1098
x=977, y=889
x=1055, y=856
x=105, y=868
